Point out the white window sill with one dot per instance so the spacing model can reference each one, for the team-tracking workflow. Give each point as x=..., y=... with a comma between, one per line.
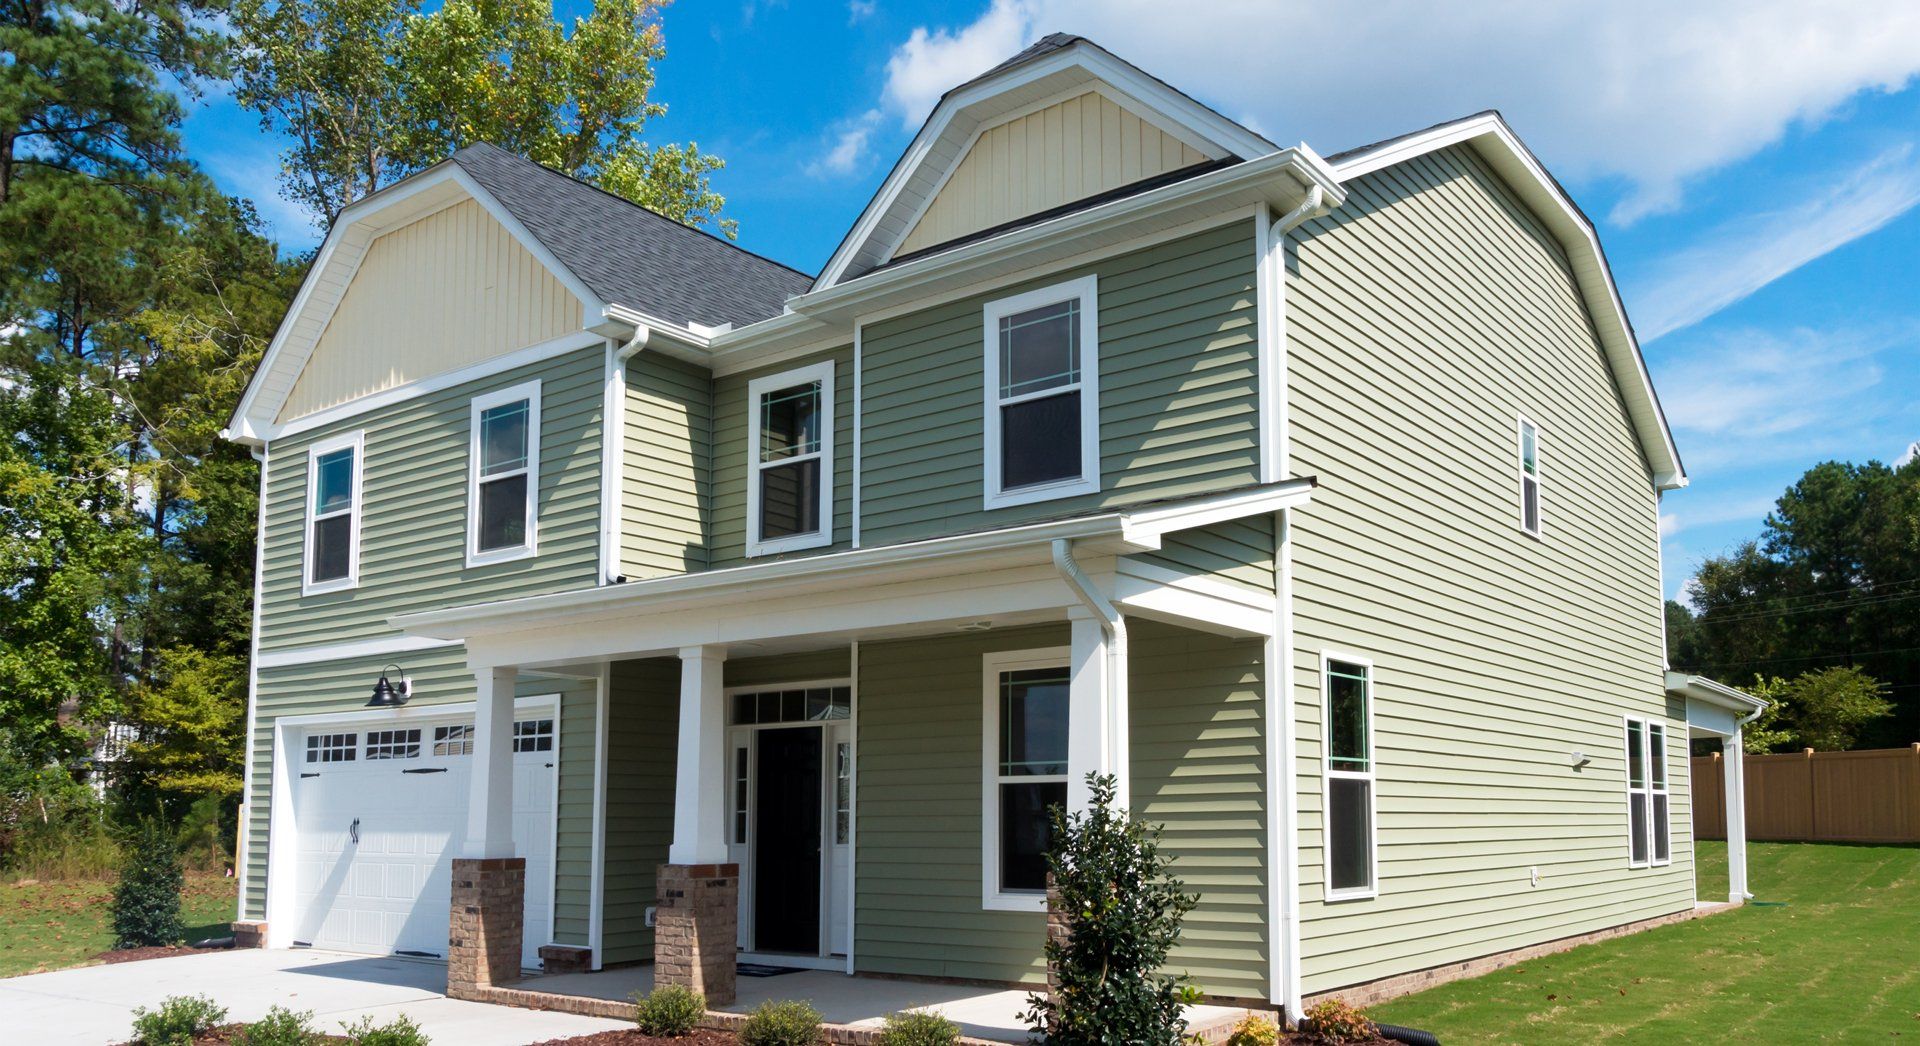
x=501, y=555
x=1042, y=492
x=795, y=543
x=1340, y=896
x=321, y=588
x=1014, y=902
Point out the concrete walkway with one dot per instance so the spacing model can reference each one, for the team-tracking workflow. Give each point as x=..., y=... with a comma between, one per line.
x=94, y=1004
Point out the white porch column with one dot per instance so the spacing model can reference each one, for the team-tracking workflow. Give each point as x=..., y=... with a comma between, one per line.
x=700, y=778
x=490, y=798
x=1090, y=720
x=1736, y=805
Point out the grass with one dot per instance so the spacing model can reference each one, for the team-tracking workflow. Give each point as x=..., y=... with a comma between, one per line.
x=49, y=925
x=1840, y=962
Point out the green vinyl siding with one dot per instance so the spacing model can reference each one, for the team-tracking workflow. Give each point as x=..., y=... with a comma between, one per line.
x=665, y=520
x=1424, y=316
x=439, y=677
x=642, y=732
x=1239, y=551
x=413, y=524
x=1178, y=392
x=733, y=427
x=773, y=670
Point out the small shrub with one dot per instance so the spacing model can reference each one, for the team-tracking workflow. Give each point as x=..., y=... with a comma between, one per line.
x=786, y=1023
x=146, y=901
x=176, y=1021
x=397, y=1032
x=1255, y=1029
x=919, y=1028
x=671, y=1010
x=1333, y=1021
x=280, y=1027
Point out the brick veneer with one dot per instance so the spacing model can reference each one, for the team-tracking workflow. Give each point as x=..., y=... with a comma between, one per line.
x=565, y=958
x=484, y=927
x=695, y=935
x=1058, y=929
x=249, y=934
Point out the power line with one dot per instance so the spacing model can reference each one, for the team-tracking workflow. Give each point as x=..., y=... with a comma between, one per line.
x=1811, y=657
x=1752, y=600
x=1840, y=604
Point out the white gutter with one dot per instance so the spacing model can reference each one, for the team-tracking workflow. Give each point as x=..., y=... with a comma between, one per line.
x=1115, y=626
x=1714, y=692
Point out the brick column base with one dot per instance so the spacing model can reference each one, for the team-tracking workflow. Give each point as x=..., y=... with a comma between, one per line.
x=695, y=936
x=1058, y=929
x=249, y=934
x=484, y=928
x=565, y=958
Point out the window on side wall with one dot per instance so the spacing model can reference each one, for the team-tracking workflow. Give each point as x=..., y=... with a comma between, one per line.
x=333, y=514
x=1529, y=473
x=504, y=475
x=1043, y=395
x=1347, y=683
x=790, y=460
x=1026, y=698
x=1649, y=827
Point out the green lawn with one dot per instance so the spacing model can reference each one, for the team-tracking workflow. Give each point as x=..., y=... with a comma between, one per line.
x=50, y=925
x=1839, y=962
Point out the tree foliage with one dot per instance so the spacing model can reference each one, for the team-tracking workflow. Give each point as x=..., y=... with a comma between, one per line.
x=146, y=900
x=1825, y=711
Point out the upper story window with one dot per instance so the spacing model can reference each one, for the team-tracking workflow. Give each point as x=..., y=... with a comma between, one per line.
x=790, y=460
x=504, y=475
x=1043, y=394
x=333, y=514
x=1347, y=683
x=1026, y=705
x=1529, y=477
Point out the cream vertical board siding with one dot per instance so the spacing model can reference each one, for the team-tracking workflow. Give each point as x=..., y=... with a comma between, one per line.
x=1423, y=317
x=1068, y=151
x=732, y=428
x=665, y=519
x=1179, y=398
x=1197, y=763
x=413, y=528
x=439, y=677
x=445, y=292
x=642, y=734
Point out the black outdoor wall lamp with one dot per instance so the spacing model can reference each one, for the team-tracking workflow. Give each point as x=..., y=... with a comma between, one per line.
x=386, y=695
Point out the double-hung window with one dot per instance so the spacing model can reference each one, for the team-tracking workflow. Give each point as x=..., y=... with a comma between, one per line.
x=1350, y=870
x=333, y=514
x=1649, y=835
x=790, y=460
x=1529, y=477
x=1025, y=742
x=1043, y=394
x=503, y=485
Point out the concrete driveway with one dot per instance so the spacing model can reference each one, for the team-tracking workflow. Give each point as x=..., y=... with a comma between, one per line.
x=95, y=1004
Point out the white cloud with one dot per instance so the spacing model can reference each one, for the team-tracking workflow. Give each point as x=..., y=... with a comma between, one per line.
x=1751, y=509
x=849, y=146
x=1913, y=451
x=1646, y=91
x=1758, y=248
x=1753, y=383
x=860, y=10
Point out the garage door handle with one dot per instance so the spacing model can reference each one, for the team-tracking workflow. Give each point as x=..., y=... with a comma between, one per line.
x=427, y=770
x=354, y=830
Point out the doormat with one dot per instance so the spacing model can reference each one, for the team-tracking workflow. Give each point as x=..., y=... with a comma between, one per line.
x=756, y=969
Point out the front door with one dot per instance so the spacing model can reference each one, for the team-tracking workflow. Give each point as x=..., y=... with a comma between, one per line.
x=786, y=841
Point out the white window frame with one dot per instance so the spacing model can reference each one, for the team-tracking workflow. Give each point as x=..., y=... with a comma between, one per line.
x=1522, y=476
x=529, y=391
x=1329, y=774
x=993, y=665
x=1086, y=290
x=1649, y=752
x=822, y=534
x=355, y=441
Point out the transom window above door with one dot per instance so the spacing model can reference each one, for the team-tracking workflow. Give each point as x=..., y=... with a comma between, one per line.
x=1042, y=395
x=790, y=460
x=504, y=475
x=813, y=704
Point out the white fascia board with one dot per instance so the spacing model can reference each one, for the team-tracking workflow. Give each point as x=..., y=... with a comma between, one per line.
x=1146, y=526
x=1714, y=692
x=1496, y=142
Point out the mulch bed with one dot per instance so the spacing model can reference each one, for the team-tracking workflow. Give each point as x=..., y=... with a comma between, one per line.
x=229, y=1033
x=158, y=951
x=634, y=1037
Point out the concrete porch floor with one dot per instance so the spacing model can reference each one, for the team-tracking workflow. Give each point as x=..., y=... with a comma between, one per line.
x=861, y=1002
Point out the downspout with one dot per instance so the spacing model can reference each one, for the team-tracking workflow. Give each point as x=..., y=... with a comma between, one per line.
x=1115, y=627
x=613, y=442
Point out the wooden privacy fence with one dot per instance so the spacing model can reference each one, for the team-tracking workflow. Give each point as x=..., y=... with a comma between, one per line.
x=1809, y=796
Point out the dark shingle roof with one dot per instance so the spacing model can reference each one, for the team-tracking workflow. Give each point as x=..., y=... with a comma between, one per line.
x=630, y=256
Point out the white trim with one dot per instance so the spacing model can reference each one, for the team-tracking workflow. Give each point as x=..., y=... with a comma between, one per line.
x=853, y=807
x=1283, y=782
x=1148, y=524
x=307, y=655
x=859, y=398
x=1329, y=774
x=992, y=666
x=553, y=822
x=530, y=392
x=822, y=533
x=597, y=875
x=1649, y=791
x=355, y=441
x=1521, y=426
x=243, y=842
x=613, y=437
x=1085, y=292
x=1196, y=601
x=1271, y=387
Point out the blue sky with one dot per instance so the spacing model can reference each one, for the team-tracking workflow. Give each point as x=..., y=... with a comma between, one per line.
x=1753, y=165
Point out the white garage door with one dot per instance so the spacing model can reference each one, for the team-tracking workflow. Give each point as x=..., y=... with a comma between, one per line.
x=380, y=814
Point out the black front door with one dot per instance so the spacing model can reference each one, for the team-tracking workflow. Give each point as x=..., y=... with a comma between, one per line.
x=786, y=842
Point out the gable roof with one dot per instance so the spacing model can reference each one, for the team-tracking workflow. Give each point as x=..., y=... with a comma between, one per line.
x=1488, y=134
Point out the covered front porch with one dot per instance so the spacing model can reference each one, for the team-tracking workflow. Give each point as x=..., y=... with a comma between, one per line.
x=1716, y=712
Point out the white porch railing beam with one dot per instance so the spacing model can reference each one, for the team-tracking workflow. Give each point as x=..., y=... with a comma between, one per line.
x=700, y=778
x=490, y=799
